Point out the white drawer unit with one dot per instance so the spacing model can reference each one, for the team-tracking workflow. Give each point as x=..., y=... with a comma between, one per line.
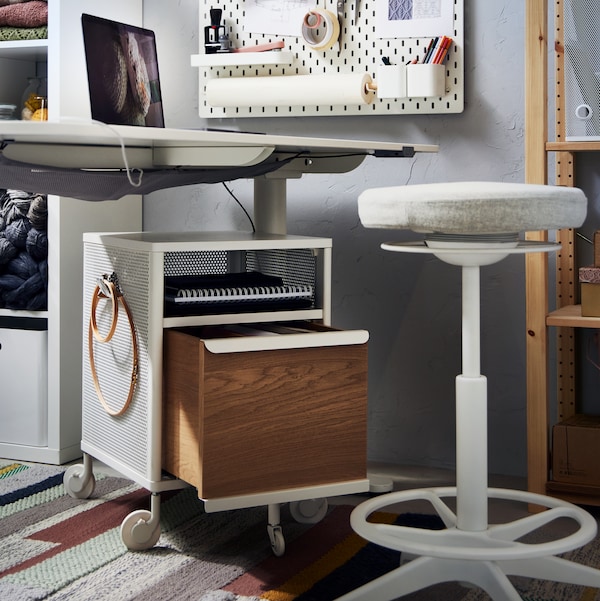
x=187, y=351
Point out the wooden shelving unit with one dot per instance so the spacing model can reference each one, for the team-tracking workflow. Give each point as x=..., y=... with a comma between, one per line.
x=567, y=315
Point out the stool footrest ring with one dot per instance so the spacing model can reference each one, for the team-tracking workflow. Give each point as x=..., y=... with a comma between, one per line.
x=484, y=558
x=498, y=542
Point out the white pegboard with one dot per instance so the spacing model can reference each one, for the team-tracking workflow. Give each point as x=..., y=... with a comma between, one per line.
x=361, y=52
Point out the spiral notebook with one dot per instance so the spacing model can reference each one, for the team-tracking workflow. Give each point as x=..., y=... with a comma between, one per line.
x=247, y=291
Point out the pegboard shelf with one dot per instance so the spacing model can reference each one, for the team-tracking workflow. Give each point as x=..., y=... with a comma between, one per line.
x=235, y=59
x=361, y=52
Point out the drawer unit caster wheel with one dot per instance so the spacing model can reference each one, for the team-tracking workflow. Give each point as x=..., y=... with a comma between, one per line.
x=309, y=511
x=139, y=531
x=277, y=540
x=79, y=483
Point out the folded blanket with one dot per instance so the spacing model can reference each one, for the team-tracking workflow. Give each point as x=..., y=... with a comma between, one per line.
x=25, y=14
x=7, y=2
x=23, y=250
x=14, y=34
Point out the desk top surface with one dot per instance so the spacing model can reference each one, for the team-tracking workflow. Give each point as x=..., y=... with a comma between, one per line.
x=73, y=132
x=255, y=147
x=100, y=157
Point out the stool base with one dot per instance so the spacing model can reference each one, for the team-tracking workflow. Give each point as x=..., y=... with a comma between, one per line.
x=483, y=558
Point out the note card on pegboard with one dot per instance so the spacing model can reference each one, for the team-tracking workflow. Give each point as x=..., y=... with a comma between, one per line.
x=330, y=57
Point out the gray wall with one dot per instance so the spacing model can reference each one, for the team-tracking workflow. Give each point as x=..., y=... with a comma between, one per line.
x=409, y=304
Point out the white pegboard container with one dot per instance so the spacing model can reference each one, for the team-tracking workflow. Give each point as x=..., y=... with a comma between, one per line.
x=361, y=51
x=582, y=70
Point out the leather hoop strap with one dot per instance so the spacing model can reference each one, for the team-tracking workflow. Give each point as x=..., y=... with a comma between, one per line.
x=110, y=286
x=116, y=297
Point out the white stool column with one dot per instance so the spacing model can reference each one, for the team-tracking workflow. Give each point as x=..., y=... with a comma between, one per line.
x=471, y=414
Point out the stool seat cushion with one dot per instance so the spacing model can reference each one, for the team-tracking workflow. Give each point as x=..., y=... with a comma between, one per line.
x=472, y=207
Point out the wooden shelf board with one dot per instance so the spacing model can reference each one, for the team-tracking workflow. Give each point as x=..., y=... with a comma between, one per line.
x=570, y=317
x=581, y=146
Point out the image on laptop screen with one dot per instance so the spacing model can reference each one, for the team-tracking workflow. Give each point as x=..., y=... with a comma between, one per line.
x=122, y=69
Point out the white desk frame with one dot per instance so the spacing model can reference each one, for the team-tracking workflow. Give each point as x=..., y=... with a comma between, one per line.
x=100, y=147
x=87, y=145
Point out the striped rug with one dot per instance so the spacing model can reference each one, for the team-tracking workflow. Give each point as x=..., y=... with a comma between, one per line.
x=58, y=548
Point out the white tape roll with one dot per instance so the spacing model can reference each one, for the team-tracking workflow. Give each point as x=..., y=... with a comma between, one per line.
x=320, y=29
x=291, y=90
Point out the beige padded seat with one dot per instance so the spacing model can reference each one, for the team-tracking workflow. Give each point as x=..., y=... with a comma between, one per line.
x=472, y=207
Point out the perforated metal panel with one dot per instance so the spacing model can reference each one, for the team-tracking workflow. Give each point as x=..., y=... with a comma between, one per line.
x=294, y=266
x=126, y=437
x=582, y=69
x=361, y=52
x=196, y=262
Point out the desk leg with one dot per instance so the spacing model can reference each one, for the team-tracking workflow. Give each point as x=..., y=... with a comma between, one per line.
x=270, y=210
x=270, y=217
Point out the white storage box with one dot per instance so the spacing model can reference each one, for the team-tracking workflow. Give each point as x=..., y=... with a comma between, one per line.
x=24, y=399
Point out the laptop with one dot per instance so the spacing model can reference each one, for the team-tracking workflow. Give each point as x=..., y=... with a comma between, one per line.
x=122, y=69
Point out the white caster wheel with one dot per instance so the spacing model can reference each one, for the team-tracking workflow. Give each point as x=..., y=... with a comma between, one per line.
x=309, y=511
x=137, y=532
x=76, y=484
x=277, y=541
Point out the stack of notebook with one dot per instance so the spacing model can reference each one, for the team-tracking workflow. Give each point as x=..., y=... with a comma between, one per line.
x=233, y=292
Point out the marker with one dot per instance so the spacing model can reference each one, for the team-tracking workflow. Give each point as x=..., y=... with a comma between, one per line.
x=429, y=49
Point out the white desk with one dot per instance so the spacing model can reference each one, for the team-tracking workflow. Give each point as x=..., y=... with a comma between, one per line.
x=192, y=155
x=92, y=154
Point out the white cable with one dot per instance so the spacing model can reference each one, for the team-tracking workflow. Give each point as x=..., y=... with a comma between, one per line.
x=128, y=170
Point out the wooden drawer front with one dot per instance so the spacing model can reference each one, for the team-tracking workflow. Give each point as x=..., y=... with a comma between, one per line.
x=239, y=423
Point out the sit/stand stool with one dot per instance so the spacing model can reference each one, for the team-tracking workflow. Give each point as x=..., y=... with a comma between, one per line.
x=471, y=224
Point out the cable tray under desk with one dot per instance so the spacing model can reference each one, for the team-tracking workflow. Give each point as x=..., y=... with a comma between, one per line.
x=361, y=52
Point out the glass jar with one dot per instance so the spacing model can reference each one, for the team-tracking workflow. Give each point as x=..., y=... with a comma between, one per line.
x=34, y=102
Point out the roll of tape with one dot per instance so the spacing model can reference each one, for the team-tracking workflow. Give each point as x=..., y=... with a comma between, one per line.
x=320, y=29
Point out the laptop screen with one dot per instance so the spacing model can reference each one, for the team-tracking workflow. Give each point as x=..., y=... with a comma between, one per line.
x=122, y=69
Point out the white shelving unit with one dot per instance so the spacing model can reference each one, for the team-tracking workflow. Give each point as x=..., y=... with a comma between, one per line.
x=61, y=56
